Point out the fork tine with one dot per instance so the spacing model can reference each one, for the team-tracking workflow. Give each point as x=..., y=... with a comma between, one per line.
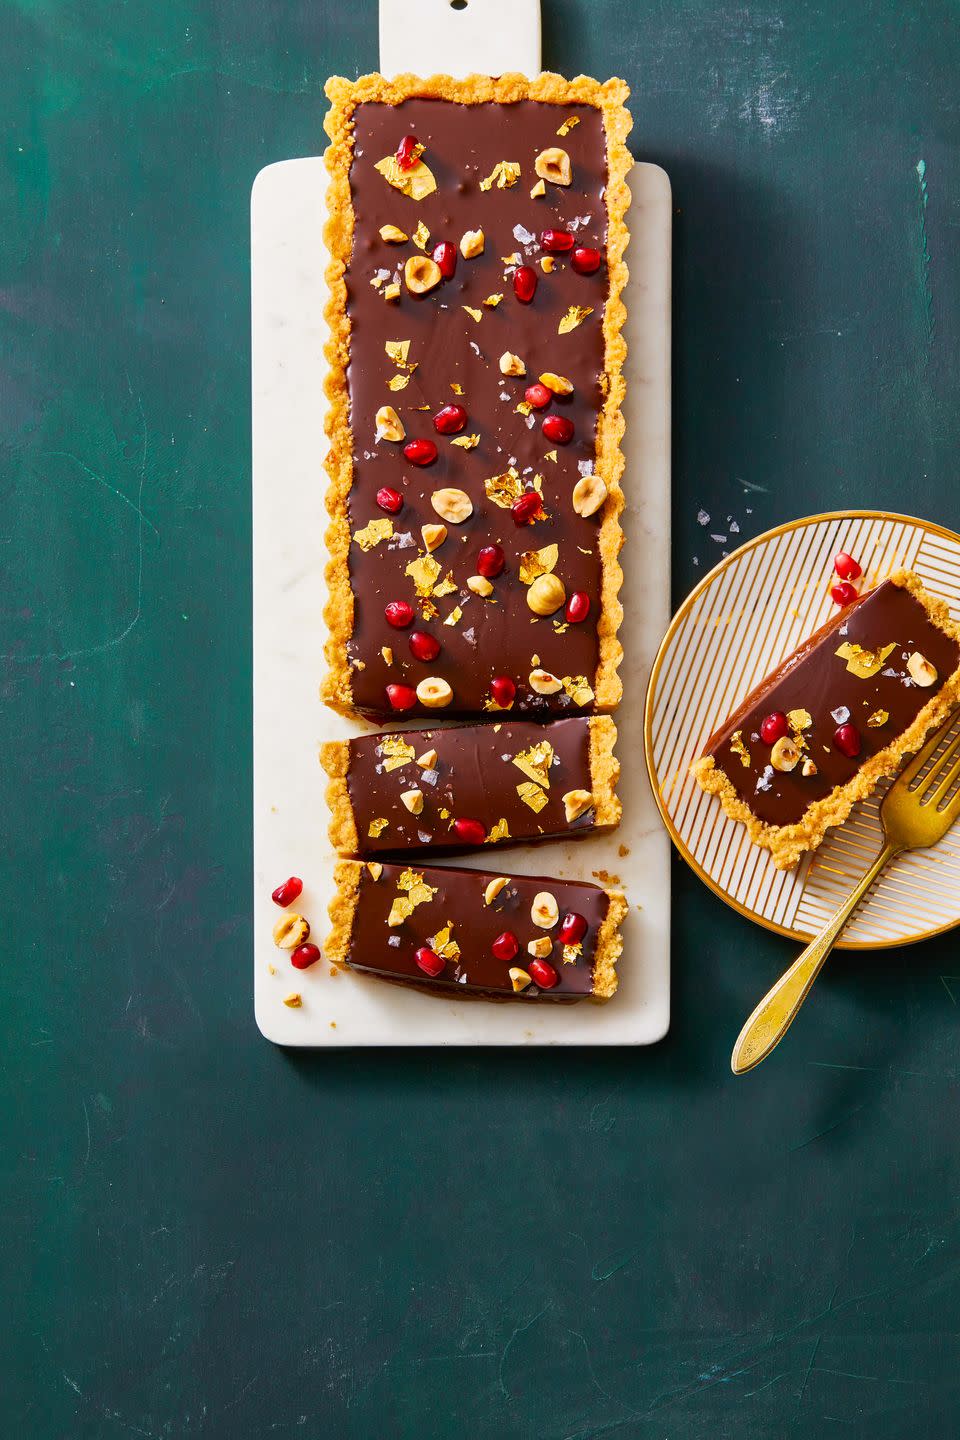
x=911, y=771
x=948, y=767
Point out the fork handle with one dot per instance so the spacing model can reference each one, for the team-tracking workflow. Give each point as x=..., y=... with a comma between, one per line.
x=777, y=1010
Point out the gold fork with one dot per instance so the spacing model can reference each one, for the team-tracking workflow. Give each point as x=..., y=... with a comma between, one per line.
x=914, y=816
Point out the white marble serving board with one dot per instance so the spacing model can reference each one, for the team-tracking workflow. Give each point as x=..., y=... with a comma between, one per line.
x=289, y=520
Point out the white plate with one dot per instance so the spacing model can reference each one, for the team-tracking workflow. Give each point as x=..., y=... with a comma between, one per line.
x=742, y=619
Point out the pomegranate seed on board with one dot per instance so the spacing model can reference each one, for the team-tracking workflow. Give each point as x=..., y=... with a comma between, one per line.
x=543, y=974
x=401, y=697
x=578, y=607
x=556, y=242
x=490, y=561
x=286, y=893
x=304, y=956
x=585, y=260
x=420, y=452
x=843, y=593
x=848, y=741
x=573, y=927
x=505, y=946
x=526, y=507
x=445, y=255
x=503, y=690
x=424, y=647
x=390, y=500
x=399, y=614
x=773, y=727
x=524, y=283
x=846, y=567
x=558, y=429
x=429, y=961
x=469, y=832
x=407, y=155
x=537, y=395
x=450, y=420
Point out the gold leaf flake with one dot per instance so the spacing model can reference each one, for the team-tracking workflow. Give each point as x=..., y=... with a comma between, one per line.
x=418, y=182
x=571, y=953
x=538, y=562
x=536, y=762
x=371, y=535
x=377, y=281
x=505, y=173
x=424, y=572
x=578, y=688
x=568, y=124
x=575, y=316
x=551, y=455
x=457, y=389
x=474, y=314
x=397, y=351
x=799, y=720
x=442, y=943
x=400, y=910
x=524, y=408
x=532, y=795
x=466, y=442
x=420, y=236
x=454, y=617
x=862, y=662
x=738, y=748
x=397, y=751
x=398, y=382
x=500, y=831
x=878, y=718
x=447, y=586
x=493, y=301
x=377, y=827
x=504, y=489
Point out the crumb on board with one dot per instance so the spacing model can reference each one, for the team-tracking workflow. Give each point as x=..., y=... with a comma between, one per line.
x=605, y=877
x=623, y=851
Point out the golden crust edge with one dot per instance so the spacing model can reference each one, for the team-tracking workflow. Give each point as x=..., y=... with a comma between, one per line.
x=787, y=843
x=604, y=772
x=342, y=828
x=609, y=948
x=345, y=95
x=342, y=909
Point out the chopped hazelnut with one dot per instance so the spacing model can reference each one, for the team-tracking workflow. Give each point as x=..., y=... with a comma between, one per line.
x=433, y=536
x=393, y=235
x=453, y=505
x=553, y=164
x=543, y=682
x=493, y=889
x=559, y=384
x=548, y=263
x=389, y=424
x=434, y=693
x=471, y=244
x=538, y=190
x=519, y=979
x=391, y=291
x=428, y=760
x=785, y=754
x=544, y=912
x=920, y=670
x=293, y=1001
x=808, y=768
x=540, y=948
x=589, y=494
x=421, y=274
x=511, y=364
x=290, y=931
x=413, y=800
x=576, y=803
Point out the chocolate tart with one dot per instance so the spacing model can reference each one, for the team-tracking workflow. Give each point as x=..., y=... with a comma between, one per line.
x=385, y=915
x=421, y=352
x=466, y=785
x=887, y=668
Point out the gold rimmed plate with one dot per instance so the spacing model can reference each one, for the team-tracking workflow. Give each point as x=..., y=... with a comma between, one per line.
x=743, y=618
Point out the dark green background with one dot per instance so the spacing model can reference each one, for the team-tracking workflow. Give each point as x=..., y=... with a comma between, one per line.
x=203, y=1236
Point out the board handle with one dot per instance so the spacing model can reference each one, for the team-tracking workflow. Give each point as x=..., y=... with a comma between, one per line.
x=459, y=37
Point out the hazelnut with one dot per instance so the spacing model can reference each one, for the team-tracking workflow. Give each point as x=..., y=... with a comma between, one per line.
x=553, y=164
x=453, y=505
x=785, y=754
x=541, y=948
x=519, y=979
x=389, y=424
x=808, y=768
x=428, y=760
x=421, y=274
x=576, y=803
x=433, y=536
x=413, y=799
x=511, y=364
x=471, y=244
x=559, y=384
x=434, y=693
x=393, y=235
x=493, y=889
x=391, y=291
x=290, y=931
x=589, y=494
x=920, y=670
x=480, y=585
x=546, y=594
x=543, y=682
x=544, y=912
x=293, y=1001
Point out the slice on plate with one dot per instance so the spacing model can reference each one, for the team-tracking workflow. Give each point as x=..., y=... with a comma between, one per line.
x=474, y=932
x=835, y=717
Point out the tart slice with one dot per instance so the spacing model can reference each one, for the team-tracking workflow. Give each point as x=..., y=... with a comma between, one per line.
x=467, y=785
x=473, y=932
x=835, y=717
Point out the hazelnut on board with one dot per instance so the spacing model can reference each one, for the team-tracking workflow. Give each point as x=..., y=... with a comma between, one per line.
x=290, y=931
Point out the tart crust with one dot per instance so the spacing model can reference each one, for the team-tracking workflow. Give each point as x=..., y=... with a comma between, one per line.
x=345, y=95
x=787, y=843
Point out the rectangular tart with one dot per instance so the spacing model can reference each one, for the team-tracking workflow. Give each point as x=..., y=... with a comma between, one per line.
x=465, y=785
x=470, y=931
x=853, y=700
x=433, y=441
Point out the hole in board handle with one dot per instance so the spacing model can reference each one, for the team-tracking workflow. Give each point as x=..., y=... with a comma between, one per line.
x=458, y=4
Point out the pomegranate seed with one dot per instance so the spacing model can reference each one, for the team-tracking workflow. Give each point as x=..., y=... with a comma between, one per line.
x=526, y=507
x=424, y=647
x=773, y=727
x=490, y=561
x=503, y=690
x=585, y=260
x=389, y=500
x=429, y=961
x=401, y=697
x=286, y=893
x=556, y=242
x=524, y=283
x=538, y=396
x=450, y=420
x=848, y=741
x=505, y=946
x=846, y=567
x=843, y=593
x=304, y=956
x=399, y=614
x=469, y=832
x=578, y=607
x=558, y=429
x=420, y=452
x=573, y=927
x=544, y=975
x=445, y=254
x=407, y=155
